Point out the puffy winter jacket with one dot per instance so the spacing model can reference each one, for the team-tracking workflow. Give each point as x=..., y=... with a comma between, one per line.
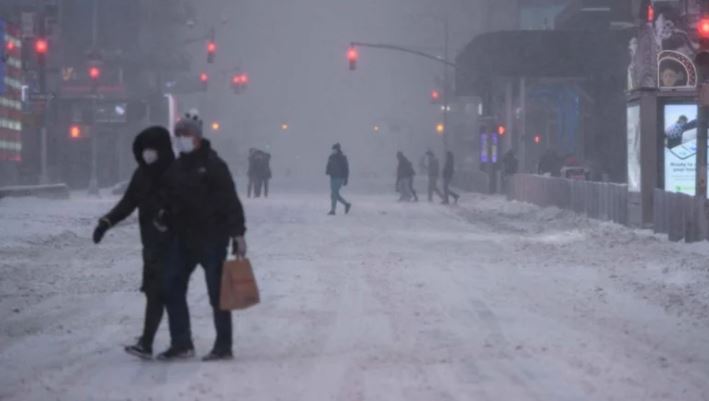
x=146, y=187
x=203, y=204
x=338, y=166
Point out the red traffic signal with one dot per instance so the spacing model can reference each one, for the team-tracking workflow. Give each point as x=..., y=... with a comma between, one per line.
x=94, y=73
x=435, y=96
x=501, y=130
x=41, y=46
x=650, y=13
x=10, y=46
x=211, y=51
x=352, y=57
x=537, y=139
x=239, y=82
x=204, y=80
x=703, y=28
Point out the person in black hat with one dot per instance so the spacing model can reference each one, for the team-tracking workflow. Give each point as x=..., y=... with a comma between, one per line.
x=339, y=171
x=206, y=213
x=153, y=152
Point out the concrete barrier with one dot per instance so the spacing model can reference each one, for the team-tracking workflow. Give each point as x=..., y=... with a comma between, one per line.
x=53, y=191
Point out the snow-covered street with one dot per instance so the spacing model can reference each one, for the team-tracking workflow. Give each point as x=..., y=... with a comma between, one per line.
x=490, y=300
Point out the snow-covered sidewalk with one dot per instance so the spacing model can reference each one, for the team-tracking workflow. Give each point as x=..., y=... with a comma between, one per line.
x=491, y=300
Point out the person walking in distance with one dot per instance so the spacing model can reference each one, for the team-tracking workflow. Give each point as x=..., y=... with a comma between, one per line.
x=339, y=171
x=448, y=172
x=207, y=215
x=153, y=152
x=405, y=179
x=434, y=170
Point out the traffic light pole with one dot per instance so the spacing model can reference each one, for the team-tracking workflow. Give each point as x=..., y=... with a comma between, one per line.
x=93, y=179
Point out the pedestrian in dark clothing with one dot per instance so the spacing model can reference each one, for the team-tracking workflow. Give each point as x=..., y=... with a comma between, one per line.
x=434, y=170
x=550, y=163
x=206, y=214
x=251, y=172
x=265, y=174
x=510, y=164
x=338, y=169
x=153, y=152
x=405, y=179
x=448, y=172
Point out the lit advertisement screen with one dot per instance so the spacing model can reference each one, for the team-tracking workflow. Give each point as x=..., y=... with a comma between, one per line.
x=680, y=147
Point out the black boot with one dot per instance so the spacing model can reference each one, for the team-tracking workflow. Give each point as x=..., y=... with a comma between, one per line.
x=218, y=355
x=140, y=350
x=177, y=354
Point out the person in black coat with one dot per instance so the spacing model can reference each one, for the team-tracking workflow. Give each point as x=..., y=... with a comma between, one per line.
x=206, y=214
x=153, y=152
x=405, y=178
x=448, y=172
x=338, y=168
x=434, y=170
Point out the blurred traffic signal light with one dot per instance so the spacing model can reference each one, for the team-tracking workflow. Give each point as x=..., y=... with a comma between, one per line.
x=537, y=139
x=10, y=46
x=239, y=82
x=204, y=80
x=216, y=126
x=501, y=130
x=440, y=129
x=94, y=73
x=352, y=57
x=650, y=13
x=435, y=96
x=211, y=51
x=75, y=132
x=703, y=31
x=41, y=47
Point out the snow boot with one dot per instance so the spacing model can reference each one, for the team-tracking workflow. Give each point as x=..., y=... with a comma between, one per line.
x=218, y=355
x=332, y=213
x=140, y=351
x=348, y=207
x=176, y=354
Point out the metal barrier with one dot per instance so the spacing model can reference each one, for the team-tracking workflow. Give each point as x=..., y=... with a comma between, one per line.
x=597, y=200
x=680, y=216
x=54, y=191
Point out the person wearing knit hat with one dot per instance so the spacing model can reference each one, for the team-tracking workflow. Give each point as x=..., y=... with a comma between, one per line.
x=206, y=215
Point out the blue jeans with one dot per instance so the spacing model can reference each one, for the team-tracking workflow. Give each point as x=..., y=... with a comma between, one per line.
x=336, y=185
x=181, y=263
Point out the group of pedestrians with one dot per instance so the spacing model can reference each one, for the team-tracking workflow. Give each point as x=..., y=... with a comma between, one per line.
x=189, y=215
x=259, y=173
x=405, y=178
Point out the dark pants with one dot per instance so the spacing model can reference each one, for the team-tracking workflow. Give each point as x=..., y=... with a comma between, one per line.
x=153, y=262
x=250, y=187
x=433, y=188
x=181, y=262
x=336, y=185
x=447, y=192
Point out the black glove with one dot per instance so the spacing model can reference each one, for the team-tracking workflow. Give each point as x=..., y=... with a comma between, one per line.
x=101, y=228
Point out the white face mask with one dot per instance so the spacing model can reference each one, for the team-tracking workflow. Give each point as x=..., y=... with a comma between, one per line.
x=185, y=144
x=150, y=156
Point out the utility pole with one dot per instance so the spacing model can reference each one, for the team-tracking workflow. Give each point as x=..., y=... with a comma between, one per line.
x=446, y=88
x=41, y=49
x=93, y=179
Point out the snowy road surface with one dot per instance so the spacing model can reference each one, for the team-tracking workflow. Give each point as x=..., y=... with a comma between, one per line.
x=487, y=301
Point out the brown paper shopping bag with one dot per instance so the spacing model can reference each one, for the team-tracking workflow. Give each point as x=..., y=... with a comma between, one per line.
x=239, y=289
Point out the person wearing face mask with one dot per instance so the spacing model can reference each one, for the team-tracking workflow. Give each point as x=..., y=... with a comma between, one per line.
x=339, y=171
x=153, y=152
x=206, y=213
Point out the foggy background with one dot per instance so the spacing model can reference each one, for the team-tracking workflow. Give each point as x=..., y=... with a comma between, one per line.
x=294, y=53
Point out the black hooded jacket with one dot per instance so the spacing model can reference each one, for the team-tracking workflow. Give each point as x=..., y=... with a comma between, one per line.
x=203, y=205
x=145, y=189
x=338, y=166
x=405, y=169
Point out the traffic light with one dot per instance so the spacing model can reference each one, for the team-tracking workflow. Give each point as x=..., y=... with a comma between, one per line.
x=440, y=129
x=94, y=73
x=75, y=132
x=10, y=46
x=204, y=81
x=284, y=127
x=211, y=51
x=703, y=32
x=239, y=82
x=216, y=126
x=41, y=47
x=435, y=96
x=501, y=130
x=352, y=57
x=537, y=139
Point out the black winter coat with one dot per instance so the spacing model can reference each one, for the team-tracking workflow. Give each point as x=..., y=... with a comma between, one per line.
x=434, y=167
x=405, y=169
x=203, y=205
x=145, y=188
x=449, y=167
x=338, y=166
